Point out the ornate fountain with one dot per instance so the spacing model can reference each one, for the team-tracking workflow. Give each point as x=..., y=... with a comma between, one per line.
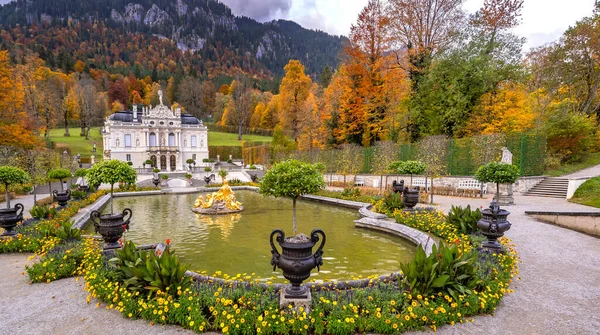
x=221, y=202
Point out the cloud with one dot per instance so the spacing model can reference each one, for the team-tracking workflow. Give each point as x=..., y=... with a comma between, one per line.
x=263, y=10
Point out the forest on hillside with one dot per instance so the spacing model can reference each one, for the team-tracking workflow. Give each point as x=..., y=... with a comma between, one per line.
x=404, y=76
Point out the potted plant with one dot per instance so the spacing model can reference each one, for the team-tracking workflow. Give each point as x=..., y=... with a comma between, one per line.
x=410, y=195
x=60, y=174
x=148, y=162
x=111, y=226
x=291, y=179
x=10, y=216
x=223, y=175
x=189, y=162
x=163, y=179
x=82, y=183
x=499, y=173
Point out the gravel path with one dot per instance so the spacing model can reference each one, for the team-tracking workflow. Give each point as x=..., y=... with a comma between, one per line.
x=558, y=291
x=593, y=171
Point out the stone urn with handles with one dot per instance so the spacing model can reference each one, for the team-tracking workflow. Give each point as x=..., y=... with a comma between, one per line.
x=111, y=226
x=493, y=224
x=296, y=260
x=62, y=197
x=9, y=217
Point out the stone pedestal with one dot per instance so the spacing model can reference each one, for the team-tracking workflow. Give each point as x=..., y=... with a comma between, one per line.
x=505, y=197
x=305, y=303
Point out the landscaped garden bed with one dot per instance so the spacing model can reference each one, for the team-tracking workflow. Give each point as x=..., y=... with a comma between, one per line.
x=145, y=284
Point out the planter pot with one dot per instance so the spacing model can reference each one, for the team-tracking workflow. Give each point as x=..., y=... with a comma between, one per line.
x=9, y=217
x=410, y=197
x=397, y=187
x=62, y=197
x=84, y=188
x=155, y=181
x=493, y=224
x=111, y=226
x=296, y=260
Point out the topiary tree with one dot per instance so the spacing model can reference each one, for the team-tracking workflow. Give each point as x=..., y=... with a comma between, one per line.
x=59, y=174
x=81, y=172
x=499, y=173
x=223, y=174
x=148, y=162
x=408, y=167
x=111, y=172
x=292, y=178
x=12, y=175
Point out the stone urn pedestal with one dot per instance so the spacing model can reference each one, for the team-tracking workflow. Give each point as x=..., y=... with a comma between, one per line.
x=9, y=217
x=111, y=226
x=505, y=197
x=297, y=261
x=493, y=224
x=62, y=197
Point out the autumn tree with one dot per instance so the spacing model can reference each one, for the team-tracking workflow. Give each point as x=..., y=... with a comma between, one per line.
x=294, y=90
x=190, y=96
x=241, y=94
x=16, y=126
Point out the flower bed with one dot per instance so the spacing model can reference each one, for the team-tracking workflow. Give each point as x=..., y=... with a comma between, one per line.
x=235, y=308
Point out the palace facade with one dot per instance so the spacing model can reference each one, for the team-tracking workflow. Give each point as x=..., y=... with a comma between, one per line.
x=160, y=134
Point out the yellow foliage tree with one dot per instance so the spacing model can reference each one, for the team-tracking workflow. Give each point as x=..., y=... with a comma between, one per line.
x=294, y=90
x=259, y=110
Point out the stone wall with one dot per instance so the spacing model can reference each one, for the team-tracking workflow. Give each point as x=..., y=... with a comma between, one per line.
x=521, y=186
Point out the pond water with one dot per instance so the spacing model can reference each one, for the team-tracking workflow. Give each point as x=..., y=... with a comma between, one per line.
x=239, y=243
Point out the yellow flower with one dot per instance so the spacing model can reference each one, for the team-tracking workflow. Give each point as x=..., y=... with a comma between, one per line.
x=191, y=323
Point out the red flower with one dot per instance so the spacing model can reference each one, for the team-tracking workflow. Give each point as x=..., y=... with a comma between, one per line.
x=456, y=241
x=168, y=241
x=120, y=242
x=56, y=225
x=125, y=226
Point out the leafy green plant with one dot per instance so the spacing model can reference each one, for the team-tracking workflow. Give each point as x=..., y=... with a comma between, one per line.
x=188, y=176
x=148, y=162
x=81, y=172
x=66, y=232
x=190, y=161
x=208, y=160
x=408, y=167
x=229, y=161
x=164, y=177
x=207, y=169
x=59, y=174
x=252, y=167
x=78, y=195
x=11, y=175
x=222, y=174
x=464, y=219
x=292, y=178
x=150, y=271
x=235, y=182
x=42, y=212
x=446, y=270
x=499, y=173
x=391, y=202
x=155, y=170
x=111, y=172
x=351, y=192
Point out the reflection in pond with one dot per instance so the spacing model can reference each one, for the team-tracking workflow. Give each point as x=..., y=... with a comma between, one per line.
x=224, y=223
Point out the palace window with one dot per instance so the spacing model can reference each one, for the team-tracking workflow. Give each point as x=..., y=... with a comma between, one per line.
x=193, y=141
x=152, y=139
x=128, y=157
x=171, y=140
x=127, y=140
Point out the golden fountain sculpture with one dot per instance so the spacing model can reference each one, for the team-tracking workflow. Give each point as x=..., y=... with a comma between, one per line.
x=220, y=202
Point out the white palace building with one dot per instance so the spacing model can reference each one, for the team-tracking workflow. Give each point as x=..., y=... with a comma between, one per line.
x=160, y=134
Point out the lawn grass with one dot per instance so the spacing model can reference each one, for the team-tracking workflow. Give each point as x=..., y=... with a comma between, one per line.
x=588, y=193
x=589, y=160
x=78, y=144
x=230, y=140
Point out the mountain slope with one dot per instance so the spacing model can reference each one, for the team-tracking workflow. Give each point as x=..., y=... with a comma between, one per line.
x=207, y=29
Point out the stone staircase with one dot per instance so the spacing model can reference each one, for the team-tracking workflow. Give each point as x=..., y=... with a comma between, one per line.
x=551, y=188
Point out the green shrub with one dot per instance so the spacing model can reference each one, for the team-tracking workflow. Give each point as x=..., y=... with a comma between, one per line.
x=391, y=202
x=81, y=172
x=351, y=192
x=446, y=270
x=44, y=201
x=188, y=176
x=235, y=182
x=78, y=195
x=207, y=169
x=464, y=219
x=148, y=272
x=164, y=177
x=42, y=212
x=66, y=232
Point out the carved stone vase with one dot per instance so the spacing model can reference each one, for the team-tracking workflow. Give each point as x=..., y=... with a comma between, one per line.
x=410, y=197
x=111, y=226
x=296, y=260
x=9, y=217
x=397, y=187
x=62, y=197
x=493, y=224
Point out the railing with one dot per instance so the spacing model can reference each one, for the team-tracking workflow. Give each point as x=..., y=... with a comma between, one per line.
x=162, y=148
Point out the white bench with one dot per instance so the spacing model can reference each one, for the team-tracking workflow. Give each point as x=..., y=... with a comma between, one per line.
x=359, y=181
x=470, y=184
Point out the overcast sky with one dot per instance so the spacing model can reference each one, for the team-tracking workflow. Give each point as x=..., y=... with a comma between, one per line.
x=542, y=21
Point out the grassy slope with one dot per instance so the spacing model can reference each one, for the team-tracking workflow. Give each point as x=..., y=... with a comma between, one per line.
x=588, y=161
x=79, y=145
x=230, y=140
x=588, y=193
